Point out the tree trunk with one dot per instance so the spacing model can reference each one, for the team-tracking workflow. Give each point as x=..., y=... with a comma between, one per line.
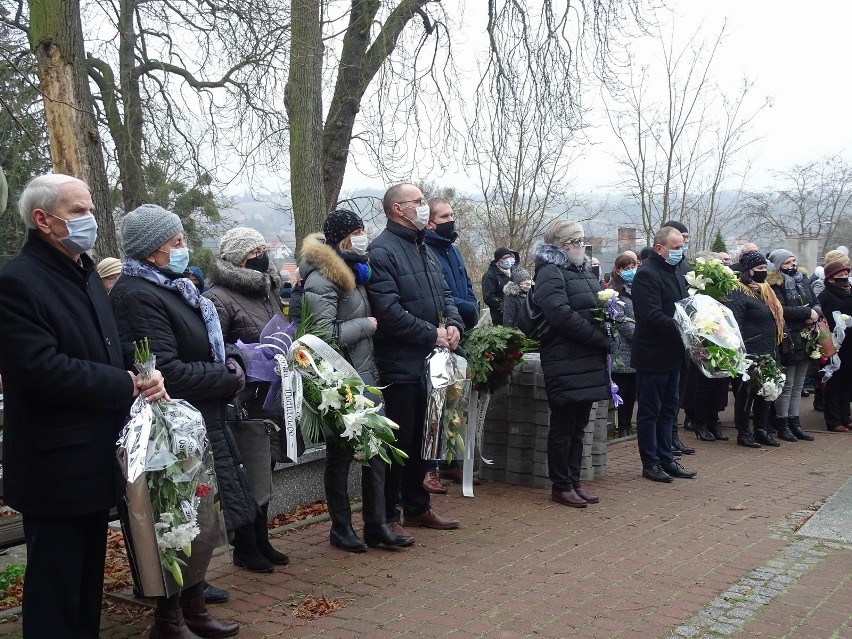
x=303, y=100
x=56, y=38
x=130, y=161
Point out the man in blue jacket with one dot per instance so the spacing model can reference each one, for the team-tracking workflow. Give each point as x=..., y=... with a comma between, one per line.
x=415, y=312
x=440, y=238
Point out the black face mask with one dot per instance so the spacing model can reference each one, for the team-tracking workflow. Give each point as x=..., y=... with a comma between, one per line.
x=759, y=277
x=446, y=229
x=259, y=263
x=790, y=271
x=841, y=281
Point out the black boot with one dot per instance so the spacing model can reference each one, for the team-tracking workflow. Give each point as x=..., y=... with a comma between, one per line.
x=382, y=536
x=745, y=438
x=261, y=533
x=202, y=623
x=715, y=429
x=783, y=428
x=796, y=428
x=762, y=437
x=701, y=430
x=624, y=431
x=336, y=477
x=246, y=553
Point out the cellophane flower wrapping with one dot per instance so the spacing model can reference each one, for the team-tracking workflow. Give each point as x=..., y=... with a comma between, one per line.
x=711, y=336
x=447, y=403
x=171, y=514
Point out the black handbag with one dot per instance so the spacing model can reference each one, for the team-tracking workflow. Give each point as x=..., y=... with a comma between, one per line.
x=531, y=319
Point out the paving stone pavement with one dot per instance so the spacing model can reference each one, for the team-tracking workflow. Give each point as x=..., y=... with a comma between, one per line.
x=717, y=556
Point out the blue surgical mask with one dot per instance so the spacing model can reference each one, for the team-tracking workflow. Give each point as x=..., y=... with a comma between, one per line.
x=178, y=261
x=507, y=262
x=675, y=256
x=628, y=275
x=82, y=233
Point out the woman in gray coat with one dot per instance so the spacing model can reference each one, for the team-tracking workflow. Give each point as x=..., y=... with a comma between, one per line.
x=334, y=269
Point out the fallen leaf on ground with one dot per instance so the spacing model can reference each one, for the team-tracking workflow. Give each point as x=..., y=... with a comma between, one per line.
x=312, y=607
x=303, y=511
x=738, y=507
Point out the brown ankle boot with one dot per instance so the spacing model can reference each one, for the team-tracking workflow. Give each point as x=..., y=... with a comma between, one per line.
x=170, y=625
x=202, y=623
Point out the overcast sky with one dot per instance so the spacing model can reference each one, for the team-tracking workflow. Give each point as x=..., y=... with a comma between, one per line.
x=798, y=55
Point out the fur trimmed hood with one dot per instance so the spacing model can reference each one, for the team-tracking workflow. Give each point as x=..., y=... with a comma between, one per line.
x=317, y=255
x=774, y=278
x=512, y=289
x=244, y=280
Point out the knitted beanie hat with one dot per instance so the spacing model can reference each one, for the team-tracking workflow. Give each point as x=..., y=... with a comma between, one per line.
x=680, y=226
x=779, y=256
x=339, y=225
x=836, y=256
x=238, y=242
x=751, y=259
x=109, y=266
x=146, y=228
x=833, y=268
x=520, y=275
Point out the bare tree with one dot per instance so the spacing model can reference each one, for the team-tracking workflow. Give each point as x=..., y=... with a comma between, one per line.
x=680, y=145
x=815, y=200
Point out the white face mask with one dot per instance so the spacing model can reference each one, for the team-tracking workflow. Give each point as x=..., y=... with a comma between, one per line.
x=422, y=218
x=360, y=243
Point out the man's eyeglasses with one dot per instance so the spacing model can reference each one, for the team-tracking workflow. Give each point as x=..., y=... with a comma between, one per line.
x=574, y=243
x=421, y=201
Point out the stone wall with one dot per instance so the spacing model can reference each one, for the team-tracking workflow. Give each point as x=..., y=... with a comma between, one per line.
x=516, y=427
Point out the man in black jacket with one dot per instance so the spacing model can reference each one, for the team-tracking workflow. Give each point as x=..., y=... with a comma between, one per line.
x=67, y=394
x=415, y=313
x=658, y=355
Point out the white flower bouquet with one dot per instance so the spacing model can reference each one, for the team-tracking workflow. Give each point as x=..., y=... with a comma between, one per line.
x=711, y=336
x=766, y=377
x=712, y=278
x=170, y=510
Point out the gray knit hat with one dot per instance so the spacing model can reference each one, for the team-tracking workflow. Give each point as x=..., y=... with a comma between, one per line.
x=238, y=242
x=778, y=257
x=146, y=228
x=520, y=275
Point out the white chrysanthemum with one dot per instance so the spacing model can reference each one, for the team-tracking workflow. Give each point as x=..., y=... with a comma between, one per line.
x=179, y=536
x=607, y=294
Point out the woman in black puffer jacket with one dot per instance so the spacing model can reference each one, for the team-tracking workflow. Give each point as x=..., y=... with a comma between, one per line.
x=573, y=354
x=154, y=300
x=761, y=320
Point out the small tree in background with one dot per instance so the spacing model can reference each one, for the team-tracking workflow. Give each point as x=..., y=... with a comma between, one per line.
x=718, y=245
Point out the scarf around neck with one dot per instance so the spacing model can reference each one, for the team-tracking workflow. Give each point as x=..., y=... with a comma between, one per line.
x=190, y=294
x=768, y=297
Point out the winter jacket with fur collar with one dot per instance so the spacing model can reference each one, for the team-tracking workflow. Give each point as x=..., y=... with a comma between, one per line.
x=574, y=351
x=245, y=299
x=337, y=304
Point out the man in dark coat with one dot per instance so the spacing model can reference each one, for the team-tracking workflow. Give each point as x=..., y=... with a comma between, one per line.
x=415, y=313
x=495, y=278
x=67, y=394
x=440, y=238
x=658, y=355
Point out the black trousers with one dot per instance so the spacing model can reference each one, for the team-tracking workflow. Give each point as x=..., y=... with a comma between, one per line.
x=627, y=391
x=760, y=409
x=64, y=581
x=836, y=397
x=565, y=444
x=337, y=463
x=405, y=403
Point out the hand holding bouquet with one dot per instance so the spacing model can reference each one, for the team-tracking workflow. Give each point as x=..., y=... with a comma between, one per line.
x=766, y=377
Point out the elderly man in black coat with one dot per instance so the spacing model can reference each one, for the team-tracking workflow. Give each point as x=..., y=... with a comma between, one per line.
x=658, y=355
x=67, y=394
x=415, y=313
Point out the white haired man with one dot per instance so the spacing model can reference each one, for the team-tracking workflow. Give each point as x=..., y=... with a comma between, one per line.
x=67, y=394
